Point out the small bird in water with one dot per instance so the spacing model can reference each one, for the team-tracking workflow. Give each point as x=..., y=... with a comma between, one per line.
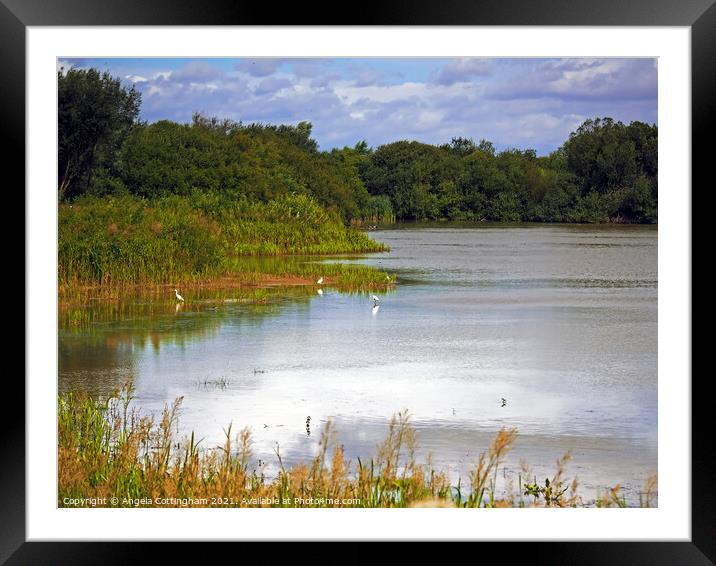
x=308, y=425
x=503, y=401
x=179, y=297
x=376, y=300
x=320, y=280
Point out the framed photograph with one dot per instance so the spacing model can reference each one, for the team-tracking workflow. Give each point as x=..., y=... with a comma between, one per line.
x=405, y=278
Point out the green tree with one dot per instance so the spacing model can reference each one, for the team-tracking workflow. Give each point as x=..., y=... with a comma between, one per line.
x=602, y=155
x=605, y=172
x=95, y=115
x=460, y=146
x=420, y=179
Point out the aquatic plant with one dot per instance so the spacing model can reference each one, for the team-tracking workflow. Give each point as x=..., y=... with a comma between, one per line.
x=116, y=241
x=108, y=451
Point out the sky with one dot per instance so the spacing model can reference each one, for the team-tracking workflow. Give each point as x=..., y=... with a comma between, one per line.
x=525, y=103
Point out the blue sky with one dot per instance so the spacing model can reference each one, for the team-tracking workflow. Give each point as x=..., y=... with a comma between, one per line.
x=523, y=103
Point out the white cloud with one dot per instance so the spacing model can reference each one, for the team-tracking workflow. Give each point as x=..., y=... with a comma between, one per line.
x=581, y=78
x=463, y=70
x=514, y=103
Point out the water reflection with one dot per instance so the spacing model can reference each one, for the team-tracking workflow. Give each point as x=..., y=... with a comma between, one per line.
x=100, y=341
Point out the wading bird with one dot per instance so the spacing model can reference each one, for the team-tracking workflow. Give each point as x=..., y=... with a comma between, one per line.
x=503, y=401
x=376, y=300
x=179, y=297
x=320, y=280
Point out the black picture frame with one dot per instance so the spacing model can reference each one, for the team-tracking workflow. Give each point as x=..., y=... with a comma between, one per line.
x=699, y=15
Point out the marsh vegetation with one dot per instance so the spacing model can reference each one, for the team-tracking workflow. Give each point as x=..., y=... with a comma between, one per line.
x=108, y=450
x=117, y=242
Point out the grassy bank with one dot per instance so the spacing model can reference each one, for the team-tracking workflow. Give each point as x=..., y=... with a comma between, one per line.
x=107, y=450
x=124, y=241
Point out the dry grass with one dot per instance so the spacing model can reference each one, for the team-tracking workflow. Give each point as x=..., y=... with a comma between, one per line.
x=648, y=496
x=110, y=455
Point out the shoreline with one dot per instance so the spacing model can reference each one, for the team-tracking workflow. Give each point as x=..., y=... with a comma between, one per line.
x=72, y=295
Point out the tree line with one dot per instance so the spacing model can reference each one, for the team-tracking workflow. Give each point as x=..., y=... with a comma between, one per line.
x=606, y=171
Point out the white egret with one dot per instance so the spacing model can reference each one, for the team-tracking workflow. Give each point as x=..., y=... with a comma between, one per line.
x=320, y=280
x=376, y=300
x=179, y=297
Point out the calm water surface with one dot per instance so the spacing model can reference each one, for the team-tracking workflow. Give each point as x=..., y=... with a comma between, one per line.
x=560, y=321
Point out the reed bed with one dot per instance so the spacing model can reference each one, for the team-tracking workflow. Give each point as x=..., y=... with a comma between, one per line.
x=252, y=284
x=120, y=241
x=111, y=455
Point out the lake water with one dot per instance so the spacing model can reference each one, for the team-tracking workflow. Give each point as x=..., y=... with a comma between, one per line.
x=560, y=321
